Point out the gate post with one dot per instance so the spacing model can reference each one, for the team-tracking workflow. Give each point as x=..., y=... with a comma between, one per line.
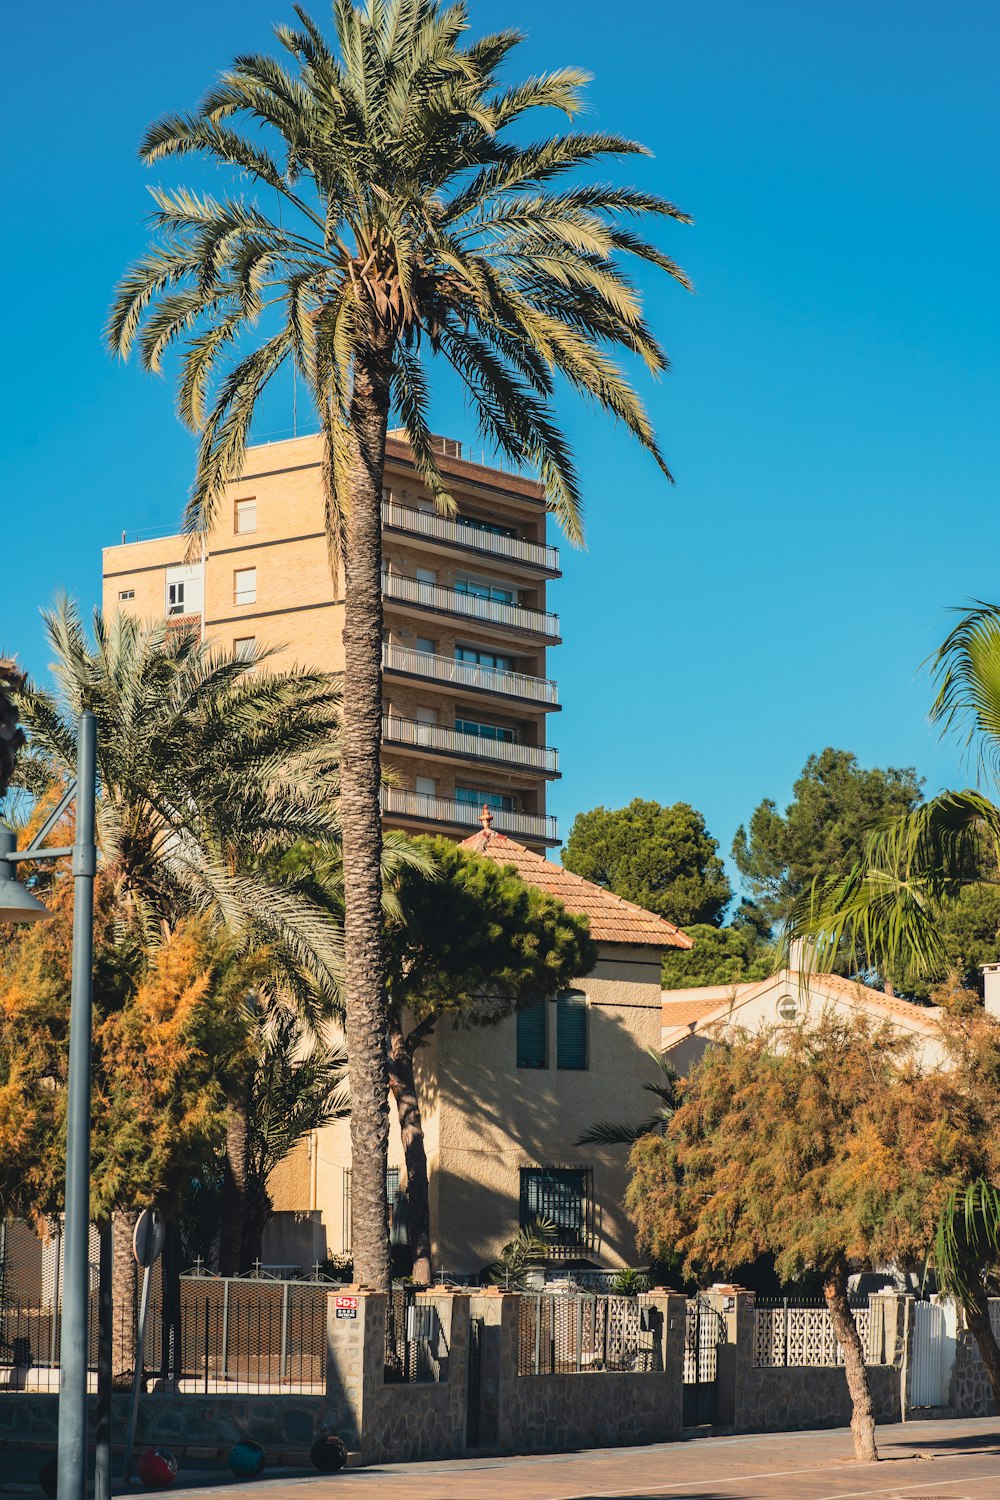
x=734, y=1358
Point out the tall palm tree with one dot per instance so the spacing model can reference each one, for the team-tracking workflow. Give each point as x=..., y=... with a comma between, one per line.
x=396, y=218
x=11, y=736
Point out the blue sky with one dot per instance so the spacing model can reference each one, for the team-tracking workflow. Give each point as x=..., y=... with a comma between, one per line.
x=831, y=416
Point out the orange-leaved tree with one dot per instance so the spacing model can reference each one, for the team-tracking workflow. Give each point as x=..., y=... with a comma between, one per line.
x=825, y=1148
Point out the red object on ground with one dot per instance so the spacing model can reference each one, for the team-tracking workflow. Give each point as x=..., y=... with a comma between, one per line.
x=157, y=1468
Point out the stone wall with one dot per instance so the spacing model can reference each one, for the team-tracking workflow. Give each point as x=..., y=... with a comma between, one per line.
x=780, y=1399
x=286, y=1426
x=533, y=1413
x=969, y=1391
x=777, y=1400
x=403, y=1422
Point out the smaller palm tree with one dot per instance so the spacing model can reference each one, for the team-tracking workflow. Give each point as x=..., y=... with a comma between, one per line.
x=967, y=1258
x=888, y=909
x=627, y=1132
x=208, y=764
x=11, y=736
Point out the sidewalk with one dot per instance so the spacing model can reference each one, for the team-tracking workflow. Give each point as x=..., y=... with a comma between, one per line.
x=921, y=1461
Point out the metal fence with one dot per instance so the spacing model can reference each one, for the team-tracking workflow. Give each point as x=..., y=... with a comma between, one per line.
x=234, y=1335
x=704, y=1331
x=801, y=1334
x=579, y=1334
x=416, y=1348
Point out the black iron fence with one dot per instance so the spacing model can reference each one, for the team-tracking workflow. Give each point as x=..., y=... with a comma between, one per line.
x=241, y=1336
x=416, y=1347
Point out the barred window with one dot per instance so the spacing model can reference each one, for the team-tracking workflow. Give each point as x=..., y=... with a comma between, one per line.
x=561, y=1196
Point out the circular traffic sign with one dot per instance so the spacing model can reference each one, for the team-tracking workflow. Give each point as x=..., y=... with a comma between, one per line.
x=147, y=1240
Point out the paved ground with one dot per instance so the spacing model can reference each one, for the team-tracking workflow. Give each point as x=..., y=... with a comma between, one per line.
x=922, y=1461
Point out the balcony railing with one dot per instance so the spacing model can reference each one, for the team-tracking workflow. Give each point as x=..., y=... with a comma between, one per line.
x=436, y=737
x=400, y=803
x=469, y=606
x=451, y=529
x=468, y=674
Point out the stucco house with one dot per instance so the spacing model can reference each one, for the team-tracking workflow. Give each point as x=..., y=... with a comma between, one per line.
x=503, y=1105
x=691, y=1018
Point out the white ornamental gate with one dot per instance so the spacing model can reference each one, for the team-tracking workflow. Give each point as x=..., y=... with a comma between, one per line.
x=931, y=1363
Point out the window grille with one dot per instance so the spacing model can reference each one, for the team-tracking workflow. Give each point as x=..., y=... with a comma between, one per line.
x=531, y=1028
x=564, y=1198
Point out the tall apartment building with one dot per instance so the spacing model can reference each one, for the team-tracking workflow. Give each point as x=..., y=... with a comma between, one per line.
x=466, y=691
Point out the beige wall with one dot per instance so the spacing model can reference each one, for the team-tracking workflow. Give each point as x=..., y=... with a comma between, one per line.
x=298, y=611
x=761, y=1009
x=484, y=1119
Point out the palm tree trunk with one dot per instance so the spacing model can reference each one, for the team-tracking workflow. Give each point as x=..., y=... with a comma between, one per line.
x=361, y=823
x=404, y=1091
x=232, y=1234
x=124, y=1296
x=977, y=1316
x=846, y=1330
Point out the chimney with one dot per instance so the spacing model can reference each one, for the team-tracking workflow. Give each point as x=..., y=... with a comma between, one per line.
x=991, y=989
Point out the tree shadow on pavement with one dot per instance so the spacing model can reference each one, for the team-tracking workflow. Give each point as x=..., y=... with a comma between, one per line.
x=976, y=1442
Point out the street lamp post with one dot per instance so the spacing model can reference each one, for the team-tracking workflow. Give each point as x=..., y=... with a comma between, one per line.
x=18, y=905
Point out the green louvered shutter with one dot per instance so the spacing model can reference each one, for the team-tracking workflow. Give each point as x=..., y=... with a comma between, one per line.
x=531, y=1036
x=571, y=1031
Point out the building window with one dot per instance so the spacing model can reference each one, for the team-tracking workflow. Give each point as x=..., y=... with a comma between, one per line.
x=484, y=658
x=245, y=586
x=425, y=786
x=396, y=1199
x=246, y=516
x=244, y=647
x=425, y=645
x=484, y=731
x=571, y=1031
x=531, y=1035
x=480, y=590
x=490, y=527
x=476, y=797
x=346, y=1238
x=126, y=593
x=561, y=1196
x=175, y=598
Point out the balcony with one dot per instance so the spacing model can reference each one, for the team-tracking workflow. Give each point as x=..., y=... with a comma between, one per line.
x=435, y=737
x=466, y=675
x=402, y=805
x=437, y=599
x=451, y=531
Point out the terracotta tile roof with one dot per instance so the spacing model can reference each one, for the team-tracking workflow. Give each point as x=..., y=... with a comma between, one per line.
x=612, y=920
x=688, y=1013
